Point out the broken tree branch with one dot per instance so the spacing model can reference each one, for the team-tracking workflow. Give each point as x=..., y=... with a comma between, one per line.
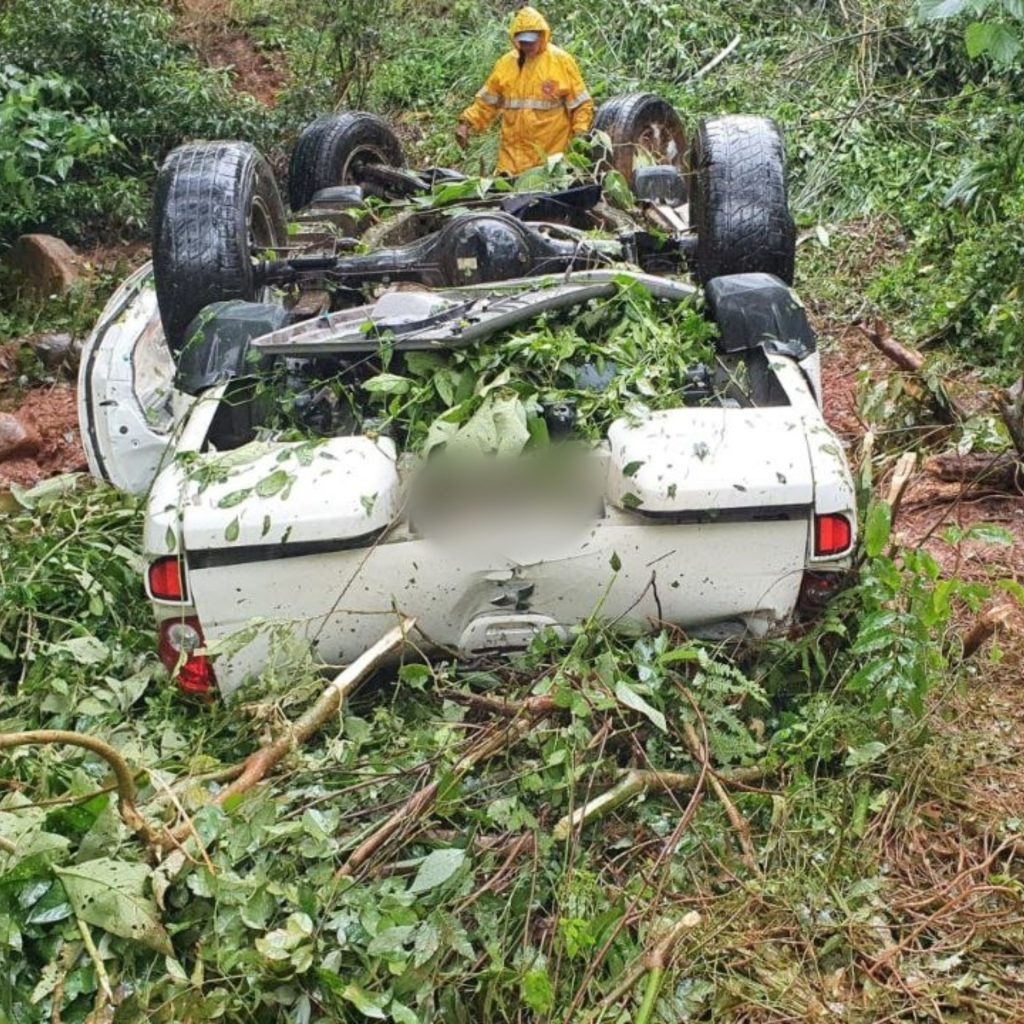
x=717, y=59
x=126, y=791
x=658, y=955
x=986, y=625
x=637, y=781
x=496, y=739
x=104, y=990
x=738, y=822
x=935, y=392
x=266, y=758
x=900, y=478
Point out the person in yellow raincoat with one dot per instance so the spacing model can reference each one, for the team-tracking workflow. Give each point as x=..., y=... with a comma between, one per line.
x=538, y=91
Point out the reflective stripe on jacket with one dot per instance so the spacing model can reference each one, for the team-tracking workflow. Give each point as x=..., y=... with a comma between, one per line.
x=542, y=102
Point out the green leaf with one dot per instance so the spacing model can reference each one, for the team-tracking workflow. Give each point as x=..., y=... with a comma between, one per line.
x=932, y=10
x=865, y=753
x=368, y=1004
x=628, y=696
x=232, y=530
x=617, y=191
x=273, y=484
x=401, y=1014
x=877, y=529
x=423, y=364
x=615, y=562
x=387, y=384
x=234, y=498
x=991, y=39
x=391, y=940
x=498, y=427
x=111, y=894
x=437, y=868
x=415, y=675
x=989, y=534
x=631, y=468
x=85, y=650
x=538, y=992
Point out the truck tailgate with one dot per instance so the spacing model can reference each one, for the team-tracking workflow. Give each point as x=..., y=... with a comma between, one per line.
x=709, y=532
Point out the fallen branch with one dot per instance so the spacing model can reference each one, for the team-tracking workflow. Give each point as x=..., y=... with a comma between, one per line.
x=419, y=804
x=716, y=60
x=259, y=764
x=654, y=960
x=104, y=990
x=986, y=625
x=900, y=478
x=1004, y=472
x=738, y=822
x=934, y=392
x=126, y=791
x=637, y=781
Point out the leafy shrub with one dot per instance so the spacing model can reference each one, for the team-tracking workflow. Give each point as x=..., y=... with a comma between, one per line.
x=42, y=143
x=122, y=73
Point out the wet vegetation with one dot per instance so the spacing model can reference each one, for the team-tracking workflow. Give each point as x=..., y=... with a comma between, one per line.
x=617, y=829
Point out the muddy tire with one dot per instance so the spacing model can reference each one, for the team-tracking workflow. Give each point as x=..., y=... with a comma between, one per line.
x=216, y=205
x=739, y=204
x=639, y=123
x=331, y=150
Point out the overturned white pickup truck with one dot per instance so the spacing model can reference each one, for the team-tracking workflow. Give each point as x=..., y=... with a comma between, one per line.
x=293, y=500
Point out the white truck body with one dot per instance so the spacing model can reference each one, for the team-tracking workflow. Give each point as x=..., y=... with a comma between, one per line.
x=705, y=518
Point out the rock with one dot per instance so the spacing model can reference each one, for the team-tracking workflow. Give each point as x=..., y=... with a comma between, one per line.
x=53, y=349
x=46, y=265
x=17, y=438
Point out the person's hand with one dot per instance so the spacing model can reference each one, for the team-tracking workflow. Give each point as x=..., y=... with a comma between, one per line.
x=462, y=134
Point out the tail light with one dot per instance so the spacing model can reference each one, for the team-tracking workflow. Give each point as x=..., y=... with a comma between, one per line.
x=179, y=640
x=817, y=589
x=833, y=535
x=167, y=579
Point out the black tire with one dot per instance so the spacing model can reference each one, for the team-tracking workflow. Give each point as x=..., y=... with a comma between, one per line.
x=739, y=203
x=640, y=122
x=216, y=203
x=660, y=184
x=331, y=150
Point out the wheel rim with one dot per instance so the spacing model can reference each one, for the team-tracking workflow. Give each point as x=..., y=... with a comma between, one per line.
x=663, y=141
x=359, y=157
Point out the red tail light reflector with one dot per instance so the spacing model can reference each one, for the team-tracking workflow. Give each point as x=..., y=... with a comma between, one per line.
x=179, y=640
x=833, y=534
x=167, y=579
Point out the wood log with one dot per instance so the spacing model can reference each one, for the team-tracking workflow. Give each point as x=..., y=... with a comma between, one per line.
x=1011, y=408
x=1001, y=471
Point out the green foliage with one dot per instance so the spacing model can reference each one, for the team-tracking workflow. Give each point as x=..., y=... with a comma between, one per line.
x=998, y=37
x=610, y=358
x=42, y=142
x=116, y=69
x=445, y=923
x=881, y=651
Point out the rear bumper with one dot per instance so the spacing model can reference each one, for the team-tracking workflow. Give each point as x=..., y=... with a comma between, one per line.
x=707, y=578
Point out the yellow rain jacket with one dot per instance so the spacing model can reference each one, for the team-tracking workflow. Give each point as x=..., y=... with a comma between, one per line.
x=543, y=102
